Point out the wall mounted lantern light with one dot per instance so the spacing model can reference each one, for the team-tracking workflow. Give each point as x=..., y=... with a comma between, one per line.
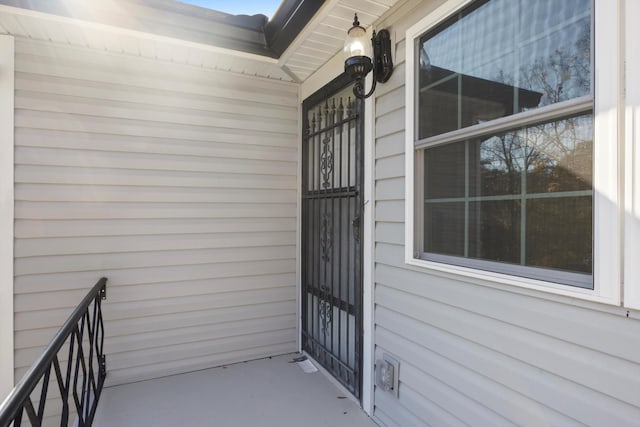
x=362, y=55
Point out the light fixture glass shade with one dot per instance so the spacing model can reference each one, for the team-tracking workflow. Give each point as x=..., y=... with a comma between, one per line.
x=358, y=43
x=357, y=52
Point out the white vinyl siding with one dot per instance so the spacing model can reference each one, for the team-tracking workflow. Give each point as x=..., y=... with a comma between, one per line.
x=479, y=352
x=177, y=183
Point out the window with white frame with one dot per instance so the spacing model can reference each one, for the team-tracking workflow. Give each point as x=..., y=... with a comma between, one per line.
x=503, y=140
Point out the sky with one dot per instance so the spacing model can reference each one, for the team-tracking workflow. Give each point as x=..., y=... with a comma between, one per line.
x=239, y=7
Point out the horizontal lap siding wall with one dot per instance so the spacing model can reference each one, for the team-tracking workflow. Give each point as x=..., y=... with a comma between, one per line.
x=175, y=182
x=480, y=354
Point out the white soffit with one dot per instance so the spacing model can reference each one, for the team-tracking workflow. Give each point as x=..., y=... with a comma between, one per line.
x=317, y=43
x=325, y=34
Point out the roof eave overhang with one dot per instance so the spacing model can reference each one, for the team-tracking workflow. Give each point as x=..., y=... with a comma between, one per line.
x=250, y=34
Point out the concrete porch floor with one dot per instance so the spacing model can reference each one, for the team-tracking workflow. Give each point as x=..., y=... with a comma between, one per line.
x=267, y=392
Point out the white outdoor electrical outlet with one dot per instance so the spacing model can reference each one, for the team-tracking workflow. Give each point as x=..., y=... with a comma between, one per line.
x=387, y=374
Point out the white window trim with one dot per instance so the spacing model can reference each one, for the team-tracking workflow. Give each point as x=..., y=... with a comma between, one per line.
x=632, y=157
x=607, y=231
x=7, y=49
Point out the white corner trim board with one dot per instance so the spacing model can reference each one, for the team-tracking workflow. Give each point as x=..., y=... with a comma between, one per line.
x=368, y=278
x=631, y=86
x=6, y=213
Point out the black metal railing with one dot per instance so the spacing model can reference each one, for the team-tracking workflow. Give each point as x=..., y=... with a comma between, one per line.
x=80, y=382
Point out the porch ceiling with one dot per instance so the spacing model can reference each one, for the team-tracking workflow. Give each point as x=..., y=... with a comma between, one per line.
x=325, y=33
x=186, y=34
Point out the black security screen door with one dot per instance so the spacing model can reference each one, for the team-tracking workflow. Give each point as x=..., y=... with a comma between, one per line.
x=331, y=232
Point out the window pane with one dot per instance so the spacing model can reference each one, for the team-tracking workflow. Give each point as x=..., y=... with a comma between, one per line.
x=494, y=231
x=555, y=46
x=448, y=238
x=502, y=57
x=559, y=233
x=557, y=157
x=496, y=164
x=476, y=190
x=444, y=171
x=560, y=155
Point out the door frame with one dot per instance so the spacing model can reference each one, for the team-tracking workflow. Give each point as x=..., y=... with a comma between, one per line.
x=368, y=253
x=308, y=88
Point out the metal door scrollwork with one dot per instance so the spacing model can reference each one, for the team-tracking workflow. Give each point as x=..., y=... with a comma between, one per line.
x=326, y=237
x=325, y=310
x=326, y=163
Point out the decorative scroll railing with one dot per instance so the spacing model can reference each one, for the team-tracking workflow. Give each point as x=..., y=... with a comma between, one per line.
x=79, y=377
